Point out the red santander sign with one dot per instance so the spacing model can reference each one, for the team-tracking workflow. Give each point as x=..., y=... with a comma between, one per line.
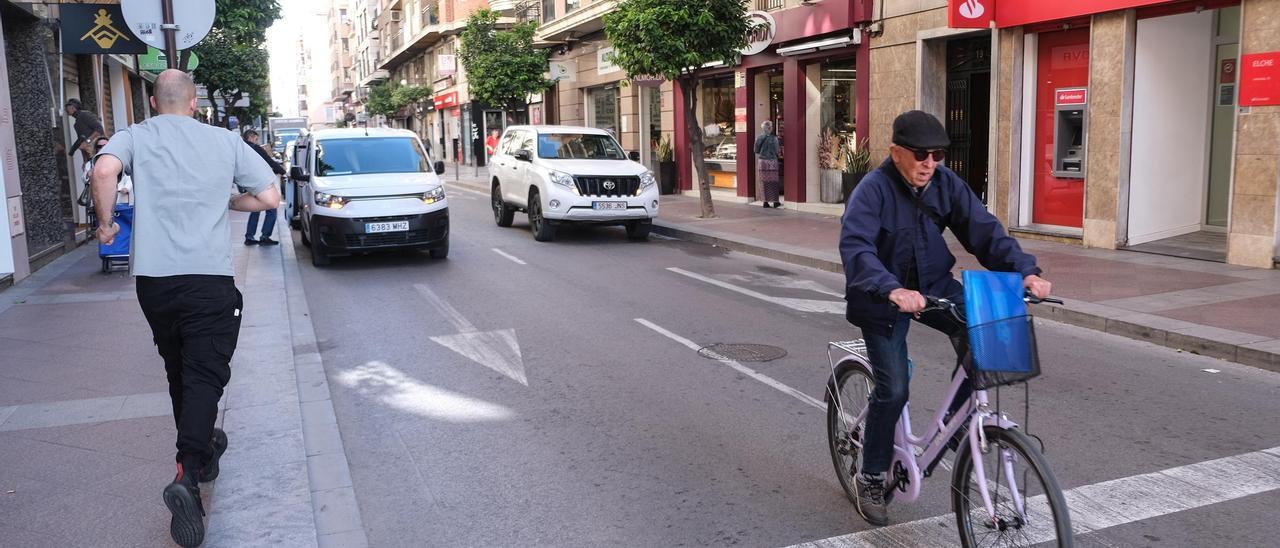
x=1073, y=96
x=1260, y=79
x=1012, y=13
x=970, y=14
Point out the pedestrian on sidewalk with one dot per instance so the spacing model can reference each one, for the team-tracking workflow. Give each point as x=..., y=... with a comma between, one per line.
x=766, y=149
x=269, y=222
x=491, y=143
x=894, y=254
x=182, y=172
x=87, y=126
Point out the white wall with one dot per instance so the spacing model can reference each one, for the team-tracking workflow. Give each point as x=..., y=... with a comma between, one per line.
x=6, y=245
x=1172, y=85
x=119, y=105
x=813, y=132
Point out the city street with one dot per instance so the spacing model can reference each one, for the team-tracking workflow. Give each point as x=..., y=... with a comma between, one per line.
x=537, y=394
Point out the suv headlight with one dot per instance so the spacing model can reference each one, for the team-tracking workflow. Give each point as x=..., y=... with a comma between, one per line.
x=434, y=195
x=563, y=179
x=330, y=201
x=646, y=182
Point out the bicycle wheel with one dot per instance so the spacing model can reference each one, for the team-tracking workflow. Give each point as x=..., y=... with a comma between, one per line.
x=848, y=394
x=1028, y=503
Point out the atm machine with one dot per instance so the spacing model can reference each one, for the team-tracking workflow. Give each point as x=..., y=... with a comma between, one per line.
x=1069, y=106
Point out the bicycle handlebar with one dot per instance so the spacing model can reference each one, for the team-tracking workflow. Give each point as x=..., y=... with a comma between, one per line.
x=939, y=303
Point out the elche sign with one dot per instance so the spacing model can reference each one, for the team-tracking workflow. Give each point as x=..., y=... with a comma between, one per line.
x=970, y=14
x=1260, y=79
x=761, y=35
x=1073, y=96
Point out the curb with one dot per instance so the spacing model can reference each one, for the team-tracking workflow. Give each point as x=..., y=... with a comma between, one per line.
x=1234, y=346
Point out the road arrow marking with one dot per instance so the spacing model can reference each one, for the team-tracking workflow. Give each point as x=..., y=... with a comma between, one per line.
x=801, y=305
x=498, y=350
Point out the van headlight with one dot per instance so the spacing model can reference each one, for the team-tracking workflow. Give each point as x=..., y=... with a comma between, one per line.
x=563, y=179
x=646, y=182
x=434, y=195
x=330, y=201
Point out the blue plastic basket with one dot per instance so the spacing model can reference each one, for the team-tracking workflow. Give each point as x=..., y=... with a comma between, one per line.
x=1002, y=338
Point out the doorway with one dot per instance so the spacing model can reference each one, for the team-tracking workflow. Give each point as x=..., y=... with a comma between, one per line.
x=968, y=109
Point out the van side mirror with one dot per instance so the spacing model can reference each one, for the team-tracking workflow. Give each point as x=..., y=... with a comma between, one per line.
x=296, y=173
x=523, y=155
x=634, y=156
x=439, y=167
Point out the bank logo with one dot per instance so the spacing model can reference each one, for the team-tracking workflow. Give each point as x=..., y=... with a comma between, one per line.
x=972, y=9
x=103, y=33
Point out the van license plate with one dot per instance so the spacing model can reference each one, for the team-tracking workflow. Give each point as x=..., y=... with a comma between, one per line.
x=608, y=205
x=394, y=226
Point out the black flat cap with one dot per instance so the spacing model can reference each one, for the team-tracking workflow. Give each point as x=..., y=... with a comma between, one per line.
x=919, y=130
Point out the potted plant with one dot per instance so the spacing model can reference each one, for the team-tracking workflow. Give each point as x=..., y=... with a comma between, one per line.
x=666, y=167
x=857, y=163
x=830, y=162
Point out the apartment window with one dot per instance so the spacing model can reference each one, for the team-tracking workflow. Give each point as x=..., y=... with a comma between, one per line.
x=571, y=5
x=770, y=5
x=346, y=46
x=548, y=10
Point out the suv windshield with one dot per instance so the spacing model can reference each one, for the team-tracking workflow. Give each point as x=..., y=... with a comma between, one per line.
x=364, y=155
x=579, y=146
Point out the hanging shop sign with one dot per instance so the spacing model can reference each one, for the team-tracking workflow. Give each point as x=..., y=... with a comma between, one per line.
x=448, y=100
x=97, y=28
x=761, y=36
x=155, y=61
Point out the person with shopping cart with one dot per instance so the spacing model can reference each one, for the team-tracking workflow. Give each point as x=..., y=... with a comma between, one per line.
x=894, y=254
x=183, y=172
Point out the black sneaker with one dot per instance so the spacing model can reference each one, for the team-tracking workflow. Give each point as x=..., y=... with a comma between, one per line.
x=183, y=499
x=871, y=503
x=250, y=241
x=267, y=241
x=209, y=471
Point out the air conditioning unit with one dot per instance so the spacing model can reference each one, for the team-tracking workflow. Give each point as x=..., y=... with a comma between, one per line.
x=395, y=16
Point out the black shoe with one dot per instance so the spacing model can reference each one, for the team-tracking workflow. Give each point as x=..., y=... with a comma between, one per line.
x=767, y=206
x=183, y=499
x=267, y=241
x=777, y=204
x=250, y=241
x=871, y=503
x=209, y=471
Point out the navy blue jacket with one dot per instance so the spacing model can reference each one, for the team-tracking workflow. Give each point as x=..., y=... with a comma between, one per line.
x=882, y=226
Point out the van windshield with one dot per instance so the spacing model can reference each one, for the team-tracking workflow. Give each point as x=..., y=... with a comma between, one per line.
x=579, y=146
x=365, y=155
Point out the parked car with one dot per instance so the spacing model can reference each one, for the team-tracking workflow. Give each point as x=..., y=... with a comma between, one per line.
x=369, y=190
x=292, y=198
x=566, y=174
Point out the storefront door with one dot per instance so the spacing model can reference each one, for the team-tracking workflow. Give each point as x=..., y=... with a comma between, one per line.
x=1222, y=138
x=1062, y=63
x=968, y=107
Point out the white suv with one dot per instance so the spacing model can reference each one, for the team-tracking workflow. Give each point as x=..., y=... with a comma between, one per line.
x=564, y=174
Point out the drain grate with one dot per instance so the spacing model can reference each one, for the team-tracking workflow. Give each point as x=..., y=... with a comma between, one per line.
x=742, y=352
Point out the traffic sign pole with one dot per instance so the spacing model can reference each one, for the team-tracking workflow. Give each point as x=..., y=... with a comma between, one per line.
x=170, y=31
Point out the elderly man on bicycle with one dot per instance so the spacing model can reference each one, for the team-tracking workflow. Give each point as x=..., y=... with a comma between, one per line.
x=893, y=252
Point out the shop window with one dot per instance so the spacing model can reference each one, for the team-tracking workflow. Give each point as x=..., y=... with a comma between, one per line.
x=839, y=98
x=605, y=105
x=571, y=6
x=718, y=103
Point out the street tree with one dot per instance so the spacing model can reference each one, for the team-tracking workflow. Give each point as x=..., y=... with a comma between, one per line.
x=233, y=63
x=673, y=39
x=503, y=68
x=388, y=99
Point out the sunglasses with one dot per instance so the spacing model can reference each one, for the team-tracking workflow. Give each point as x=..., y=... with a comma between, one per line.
x=938, y=155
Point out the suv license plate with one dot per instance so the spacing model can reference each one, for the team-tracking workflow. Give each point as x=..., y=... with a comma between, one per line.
x=394, y=226
x=608, y=205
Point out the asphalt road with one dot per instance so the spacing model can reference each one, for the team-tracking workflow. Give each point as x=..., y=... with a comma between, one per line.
x=606, y=432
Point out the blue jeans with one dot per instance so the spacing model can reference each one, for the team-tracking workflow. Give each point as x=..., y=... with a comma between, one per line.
x=268, y=224
x=888, y=355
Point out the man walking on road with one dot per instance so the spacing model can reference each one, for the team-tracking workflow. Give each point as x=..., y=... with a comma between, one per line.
x=269, y=223
x=894, y=254
x=183, y=173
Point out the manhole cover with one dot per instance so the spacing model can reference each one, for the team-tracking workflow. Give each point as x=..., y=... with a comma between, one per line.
x=742, y=352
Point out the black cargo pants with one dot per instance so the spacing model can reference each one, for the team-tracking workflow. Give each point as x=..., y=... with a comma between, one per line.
x=195, y=322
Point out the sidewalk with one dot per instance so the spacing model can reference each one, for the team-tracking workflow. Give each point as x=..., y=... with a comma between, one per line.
x=86, y=429
x=1214, y=309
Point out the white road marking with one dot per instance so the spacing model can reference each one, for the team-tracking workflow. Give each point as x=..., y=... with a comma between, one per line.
x=513, y=258
x=787, y=282
x=1212, y=370
x=498, y=350
x=391, y=386
x=463, y=188
x=1110, y=503
x=801, y=305
x=807, y=399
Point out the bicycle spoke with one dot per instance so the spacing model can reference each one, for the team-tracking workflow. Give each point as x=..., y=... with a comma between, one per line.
x=1023, y=511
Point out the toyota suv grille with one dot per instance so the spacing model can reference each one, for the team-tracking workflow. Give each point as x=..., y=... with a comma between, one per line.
x=607, y=186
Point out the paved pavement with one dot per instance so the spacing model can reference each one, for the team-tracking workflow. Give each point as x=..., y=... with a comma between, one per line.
x=1202, y=307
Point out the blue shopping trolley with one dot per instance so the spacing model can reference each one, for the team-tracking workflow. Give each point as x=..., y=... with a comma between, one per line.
x=117, y=253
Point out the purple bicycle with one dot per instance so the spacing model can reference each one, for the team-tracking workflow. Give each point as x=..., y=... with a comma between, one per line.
x=1002, y=490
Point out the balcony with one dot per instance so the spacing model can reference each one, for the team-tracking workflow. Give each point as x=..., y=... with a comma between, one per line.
x=579, y=22
x=403, y=51
x=770, y=5
x=503, y=6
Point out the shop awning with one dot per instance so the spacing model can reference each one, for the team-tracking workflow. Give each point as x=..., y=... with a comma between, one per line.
x=852, y=39
x=1012, y=13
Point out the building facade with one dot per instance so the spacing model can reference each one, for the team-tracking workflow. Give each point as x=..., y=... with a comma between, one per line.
x=341, y=72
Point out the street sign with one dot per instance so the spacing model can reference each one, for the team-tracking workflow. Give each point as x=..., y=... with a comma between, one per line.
x=97, y=28
x=194, y=18
x=155, y=61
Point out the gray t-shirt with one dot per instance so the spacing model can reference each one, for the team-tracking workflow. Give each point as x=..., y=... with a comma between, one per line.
x=183, y=171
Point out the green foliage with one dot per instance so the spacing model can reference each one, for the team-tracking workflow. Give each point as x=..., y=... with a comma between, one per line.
x=388, y=99
x=665, y=152
x=233, y=61
x=246, y=21
x=503, y=68
x=404, y=96
x=670, y=38
x=857, y=158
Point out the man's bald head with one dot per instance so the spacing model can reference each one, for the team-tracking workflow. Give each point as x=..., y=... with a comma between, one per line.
x=175, y=93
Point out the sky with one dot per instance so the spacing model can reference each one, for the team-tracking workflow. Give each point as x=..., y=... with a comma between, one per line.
x=282, y=43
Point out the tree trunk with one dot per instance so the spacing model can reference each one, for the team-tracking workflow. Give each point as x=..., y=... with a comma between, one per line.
x=689, y=87
x=214, y=120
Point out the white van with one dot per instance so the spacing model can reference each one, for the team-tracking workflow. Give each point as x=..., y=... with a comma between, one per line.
x=369, y=190
x=570, y=174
